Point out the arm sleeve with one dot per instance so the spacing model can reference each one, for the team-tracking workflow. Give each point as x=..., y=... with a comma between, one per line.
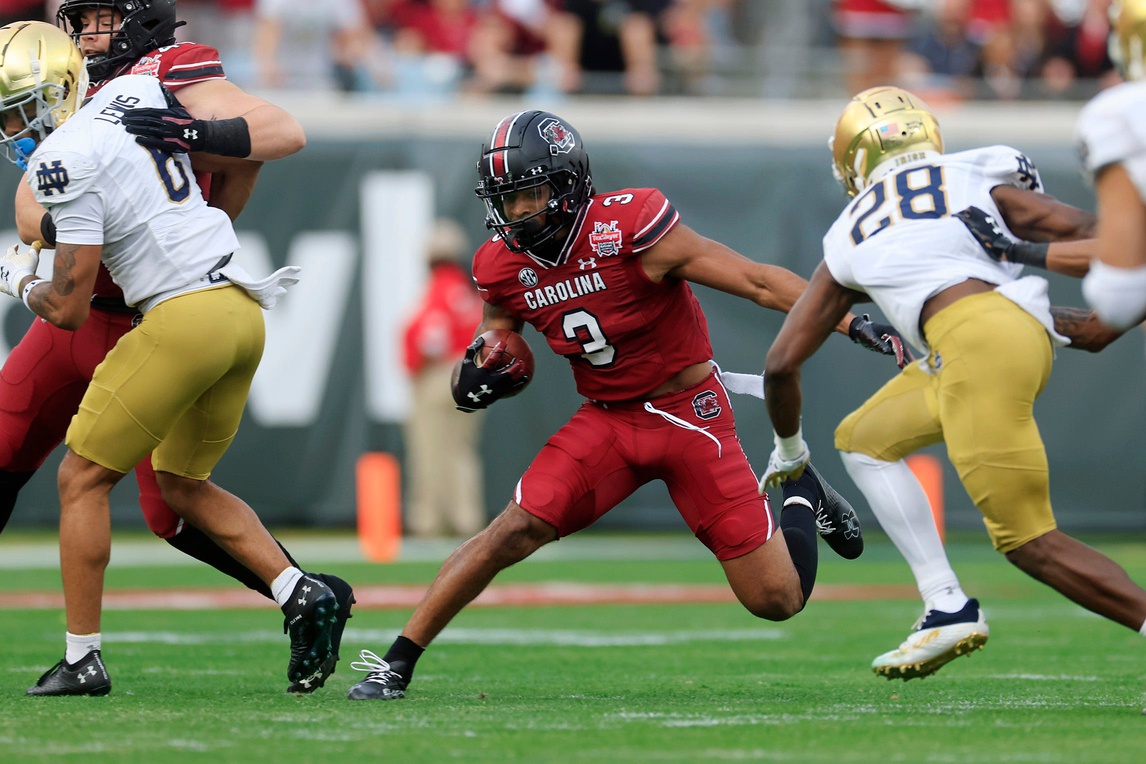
x=188, y=64
x=657, y=217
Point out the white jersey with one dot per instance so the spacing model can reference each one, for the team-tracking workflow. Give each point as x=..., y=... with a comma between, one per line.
x=898, y=242
x=1112, y=128
x=142, y=205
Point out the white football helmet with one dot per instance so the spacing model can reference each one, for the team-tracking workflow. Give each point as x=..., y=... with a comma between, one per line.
x=1128, y=38
x=42, y=83
x=879, y=125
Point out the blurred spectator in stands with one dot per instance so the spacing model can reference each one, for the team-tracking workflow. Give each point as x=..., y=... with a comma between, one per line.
x=871, y=35
x=608, y=46
x=226, y=25
x=430, y=41
x=315, y=45
x=443, y=457
x=25, y=10
x=941, y=60
x=1014, y=53
x=698, y=32
x=509, y=47
x=1081, y=52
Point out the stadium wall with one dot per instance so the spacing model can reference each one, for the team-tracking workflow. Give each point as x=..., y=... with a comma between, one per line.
x=353, y=209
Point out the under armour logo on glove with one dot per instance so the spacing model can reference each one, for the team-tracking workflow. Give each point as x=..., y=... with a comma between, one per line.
x=173, y=129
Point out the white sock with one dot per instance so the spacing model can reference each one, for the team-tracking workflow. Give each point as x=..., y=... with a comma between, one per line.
x=283, y=585
x=79, y=645
x=1142, y=631
x=900, y=504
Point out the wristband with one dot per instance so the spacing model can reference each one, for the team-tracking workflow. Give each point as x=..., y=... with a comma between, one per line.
x=1029, y=253
x=48, y=230
x=790, y=447
x=28, y=290
x=228, y=137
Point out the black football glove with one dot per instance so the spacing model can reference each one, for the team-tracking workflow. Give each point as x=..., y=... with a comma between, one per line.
x=478, y=385
x=998, y=245
x=882, y=338
x=174, y=130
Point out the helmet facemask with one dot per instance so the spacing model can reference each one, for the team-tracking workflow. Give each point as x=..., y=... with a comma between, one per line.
x=42, y=83
x=133, y=28
x=552, y=195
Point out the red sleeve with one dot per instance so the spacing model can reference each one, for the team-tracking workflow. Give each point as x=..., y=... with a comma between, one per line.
x=187, y=63
x=656, y=217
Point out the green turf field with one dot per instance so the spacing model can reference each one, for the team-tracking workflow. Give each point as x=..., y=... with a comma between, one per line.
x=634, y=683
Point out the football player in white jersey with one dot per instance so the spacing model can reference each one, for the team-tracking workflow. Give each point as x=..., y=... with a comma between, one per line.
x=176, y=385
x=1111, y=136
x=987, y=334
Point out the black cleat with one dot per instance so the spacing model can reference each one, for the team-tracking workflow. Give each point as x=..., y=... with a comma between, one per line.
x=382, y=682
x=836, y=521
x=344, y=595
x=310, y=614
x=88, y=677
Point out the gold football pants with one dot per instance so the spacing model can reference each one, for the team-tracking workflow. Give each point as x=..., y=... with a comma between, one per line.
x=174, y=386
x=993, y=360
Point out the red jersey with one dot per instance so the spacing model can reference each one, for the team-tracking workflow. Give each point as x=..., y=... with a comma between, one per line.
x=623, y=334
x=176, y=66
x=443, y=325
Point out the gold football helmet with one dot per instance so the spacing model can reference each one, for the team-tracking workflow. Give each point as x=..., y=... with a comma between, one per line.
x=42, y=83
x=1128, y=38
x=880, y=124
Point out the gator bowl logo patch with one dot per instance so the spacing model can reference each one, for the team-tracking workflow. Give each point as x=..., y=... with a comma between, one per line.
x=605, y=238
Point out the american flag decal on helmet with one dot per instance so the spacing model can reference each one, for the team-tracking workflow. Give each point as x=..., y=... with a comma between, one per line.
x=498, y=156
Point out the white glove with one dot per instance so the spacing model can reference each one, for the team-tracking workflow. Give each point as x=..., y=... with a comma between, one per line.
x=781, y=470
x=15, y=265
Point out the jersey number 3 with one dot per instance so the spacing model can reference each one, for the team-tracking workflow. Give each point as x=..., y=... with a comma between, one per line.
x=918, y=193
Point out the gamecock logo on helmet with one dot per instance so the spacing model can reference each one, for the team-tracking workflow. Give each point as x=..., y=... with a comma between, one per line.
x=561, y=140
x=527, y=277
x=706, y=405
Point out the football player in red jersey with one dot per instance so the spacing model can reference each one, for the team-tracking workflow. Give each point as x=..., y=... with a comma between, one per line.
x=45, y=376
x=604, y=277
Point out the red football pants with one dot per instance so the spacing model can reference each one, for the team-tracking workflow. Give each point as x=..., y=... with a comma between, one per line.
x=41, y=385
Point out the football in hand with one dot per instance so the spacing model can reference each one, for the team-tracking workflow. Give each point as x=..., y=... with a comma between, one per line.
x=502, y=347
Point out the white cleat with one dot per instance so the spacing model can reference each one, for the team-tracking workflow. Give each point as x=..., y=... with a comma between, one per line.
x=938, y=639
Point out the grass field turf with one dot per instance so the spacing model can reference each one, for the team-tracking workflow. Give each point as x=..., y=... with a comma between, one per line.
x=635, y=683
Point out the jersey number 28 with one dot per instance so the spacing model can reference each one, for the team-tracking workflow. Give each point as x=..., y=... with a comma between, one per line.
x=918, y=194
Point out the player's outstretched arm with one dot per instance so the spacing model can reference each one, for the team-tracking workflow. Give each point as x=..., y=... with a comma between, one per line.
x=1070, y=258
x=218, y=117
x=809, y=323
x=1039, y=217
x=685, y=254
x=1083, y=328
